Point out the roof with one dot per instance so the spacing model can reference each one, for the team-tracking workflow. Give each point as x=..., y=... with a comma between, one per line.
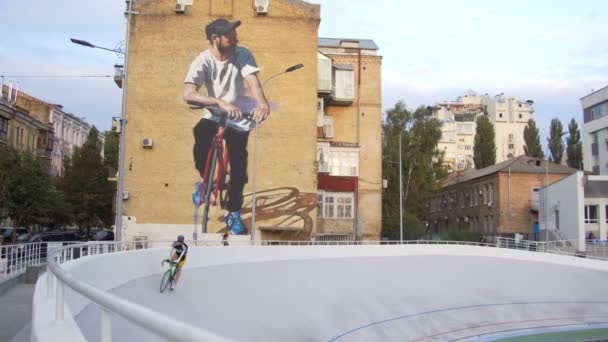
x=336, y=43
x=521, y=164
x=593, y=92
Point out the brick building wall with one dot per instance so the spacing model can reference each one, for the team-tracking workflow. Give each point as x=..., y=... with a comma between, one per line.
x=160, y=179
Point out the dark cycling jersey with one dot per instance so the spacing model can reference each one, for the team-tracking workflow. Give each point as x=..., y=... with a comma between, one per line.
x=179, y=248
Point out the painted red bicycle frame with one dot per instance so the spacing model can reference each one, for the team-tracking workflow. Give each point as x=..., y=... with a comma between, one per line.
x=221, y=167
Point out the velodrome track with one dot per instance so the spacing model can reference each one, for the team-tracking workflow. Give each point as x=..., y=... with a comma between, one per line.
x=383, y=298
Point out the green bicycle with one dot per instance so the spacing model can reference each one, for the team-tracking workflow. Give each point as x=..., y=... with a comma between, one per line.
x=169, y=275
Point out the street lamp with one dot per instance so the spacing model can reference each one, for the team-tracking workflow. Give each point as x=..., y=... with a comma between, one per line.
x=255, y=149
x=122, y=119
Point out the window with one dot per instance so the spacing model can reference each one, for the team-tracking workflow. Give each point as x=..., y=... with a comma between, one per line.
x=500, y=115
x=324, y=73
x=336, y=205
x=343, y=162
x=511, y=146
x=344, y=87
x=491, y=193
x=520, y=116
x=328, y=126
x=591, y=214
x=323, y=157
x=510, y=137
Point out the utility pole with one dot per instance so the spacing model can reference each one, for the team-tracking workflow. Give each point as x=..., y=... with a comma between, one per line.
x=400, y=193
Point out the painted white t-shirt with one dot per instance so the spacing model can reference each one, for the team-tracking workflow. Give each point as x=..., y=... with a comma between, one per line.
x=224, y=80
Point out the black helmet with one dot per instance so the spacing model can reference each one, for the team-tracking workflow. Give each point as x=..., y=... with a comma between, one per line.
x=180, y=238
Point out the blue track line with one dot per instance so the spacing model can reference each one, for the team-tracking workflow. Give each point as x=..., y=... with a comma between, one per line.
x=452, y=309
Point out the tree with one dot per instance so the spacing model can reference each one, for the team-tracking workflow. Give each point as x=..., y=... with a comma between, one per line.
x=110, y=152
x=85, y=184
x=422, y=166
x=532, y=141
x=574, y=146
x=555, y=141
x=484, y=150
x=27, y=195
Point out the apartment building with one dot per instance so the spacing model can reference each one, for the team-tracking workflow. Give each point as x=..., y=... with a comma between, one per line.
x=499, y=200
x=70, y=132
x=23, y=124
x=595, y=131
x=349, y=152
x=159, y=176
x=509, y=116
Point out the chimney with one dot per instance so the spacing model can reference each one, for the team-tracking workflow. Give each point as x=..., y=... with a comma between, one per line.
x=16, y=94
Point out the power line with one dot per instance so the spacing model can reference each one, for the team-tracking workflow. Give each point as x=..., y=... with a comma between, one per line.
x=58, y=76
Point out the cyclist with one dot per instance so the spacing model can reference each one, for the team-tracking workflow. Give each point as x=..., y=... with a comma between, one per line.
x=179, y=250
x=224, y=69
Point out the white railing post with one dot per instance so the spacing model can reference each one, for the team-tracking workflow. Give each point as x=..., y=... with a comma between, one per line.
x=49, y=282
x=59, y=301
x=105, y=326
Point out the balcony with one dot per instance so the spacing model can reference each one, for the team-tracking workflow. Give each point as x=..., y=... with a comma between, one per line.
x=118, y=74
x=343, y=89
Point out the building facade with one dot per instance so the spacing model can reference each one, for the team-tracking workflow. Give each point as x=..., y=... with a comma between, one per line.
x=508, y=115
x=70, y=132
x=499, y=200
x=577, y=208
x=349, y=152
x=595, y=131
x=159, y=178
x=23, y=124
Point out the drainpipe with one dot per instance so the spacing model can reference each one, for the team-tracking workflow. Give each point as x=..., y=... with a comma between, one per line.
x=358, y=141
x=509, y=195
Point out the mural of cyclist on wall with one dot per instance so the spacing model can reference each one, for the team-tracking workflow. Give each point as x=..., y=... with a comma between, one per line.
x=222, y=70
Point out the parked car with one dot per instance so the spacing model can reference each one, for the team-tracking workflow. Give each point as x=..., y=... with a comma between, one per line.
x=104, y=235
x=57, y=237
x=6, y=234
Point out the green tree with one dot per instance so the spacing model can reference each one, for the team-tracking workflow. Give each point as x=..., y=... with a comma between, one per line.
x=484, y=150
x=574, y=146
x=110, y=152
x=85, y=184
x=422, y=166
x=532, y=146
x=555, y=141
x=27, y=195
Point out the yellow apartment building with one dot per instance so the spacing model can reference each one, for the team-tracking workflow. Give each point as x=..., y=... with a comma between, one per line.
x=159, y=173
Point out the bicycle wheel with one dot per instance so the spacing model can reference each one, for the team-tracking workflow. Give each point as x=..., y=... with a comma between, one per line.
x=164, y=282
x=209, y=187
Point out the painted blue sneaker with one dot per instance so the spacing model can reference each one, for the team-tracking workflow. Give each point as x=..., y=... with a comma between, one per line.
x=234, y=223
x=197, y=195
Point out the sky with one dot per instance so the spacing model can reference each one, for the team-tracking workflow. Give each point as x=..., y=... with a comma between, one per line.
x=552, y=52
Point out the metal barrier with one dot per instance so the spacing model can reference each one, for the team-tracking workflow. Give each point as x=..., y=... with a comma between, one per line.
x=14, y=259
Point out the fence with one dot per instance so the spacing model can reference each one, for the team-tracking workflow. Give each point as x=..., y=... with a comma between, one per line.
x=14, y=259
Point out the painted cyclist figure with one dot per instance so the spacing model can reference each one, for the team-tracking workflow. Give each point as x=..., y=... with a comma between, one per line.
x=179, y=251
x=223, y=70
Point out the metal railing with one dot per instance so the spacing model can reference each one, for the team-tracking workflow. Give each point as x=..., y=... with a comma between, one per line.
x=14, y=259
x=157, y=323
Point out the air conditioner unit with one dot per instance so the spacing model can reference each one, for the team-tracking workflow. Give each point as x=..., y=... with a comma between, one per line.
x=125, y=195
x=147, y=143
x=489, y=204
x=180, y=8
x=261, y=6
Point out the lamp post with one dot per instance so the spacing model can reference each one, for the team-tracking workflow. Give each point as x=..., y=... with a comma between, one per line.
x=255, y=150
x=122, y=119
x=400, y=194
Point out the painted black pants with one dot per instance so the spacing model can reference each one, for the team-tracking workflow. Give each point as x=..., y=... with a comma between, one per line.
x=236, y=142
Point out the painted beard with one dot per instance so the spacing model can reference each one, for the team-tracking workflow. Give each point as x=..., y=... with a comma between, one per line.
x=227, y=50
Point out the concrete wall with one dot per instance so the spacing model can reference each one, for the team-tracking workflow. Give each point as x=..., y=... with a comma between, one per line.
x=597, y=127
x=565, y=200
